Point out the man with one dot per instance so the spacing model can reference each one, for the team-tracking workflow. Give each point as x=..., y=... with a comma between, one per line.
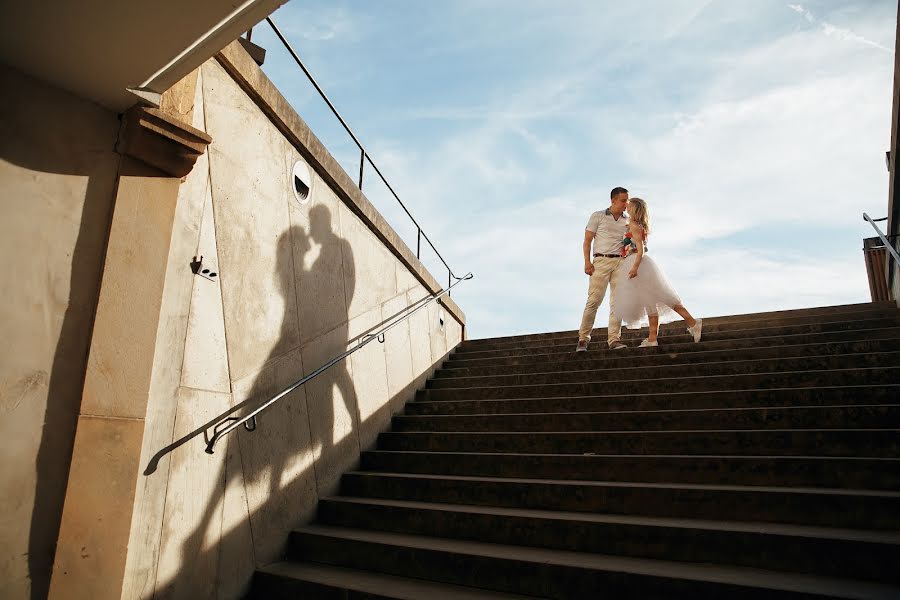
x=605, y=231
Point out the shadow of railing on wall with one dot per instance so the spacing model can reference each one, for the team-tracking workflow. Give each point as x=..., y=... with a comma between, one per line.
x=233, y=511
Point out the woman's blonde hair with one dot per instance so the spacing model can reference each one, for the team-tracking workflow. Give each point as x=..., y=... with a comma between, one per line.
x=639, y=213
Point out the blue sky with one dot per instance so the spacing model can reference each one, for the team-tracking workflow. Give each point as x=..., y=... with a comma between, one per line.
x=755, y=129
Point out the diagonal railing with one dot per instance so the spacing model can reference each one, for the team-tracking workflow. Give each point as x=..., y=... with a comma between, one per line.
x=363, y=155
x=228, y=424
x=884, y=240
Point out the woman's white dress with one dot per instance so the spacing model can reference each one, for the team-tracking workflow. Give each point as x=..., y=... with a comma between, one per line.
x=650, y=293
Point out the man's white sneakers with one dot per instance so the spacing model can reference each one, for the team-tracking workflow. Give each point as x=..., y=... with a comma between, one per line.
x=648, y=344
x=616, y=345
x=696, y=329
x=582, y=346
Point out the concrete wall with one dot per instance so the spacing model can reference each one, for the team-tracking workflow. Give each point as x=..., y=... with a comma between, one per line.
x=297, y=284
x=57, y=179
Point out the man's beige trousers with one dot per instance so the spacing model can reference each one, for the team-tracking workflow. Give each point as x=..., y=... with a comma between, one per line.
x=605, y=274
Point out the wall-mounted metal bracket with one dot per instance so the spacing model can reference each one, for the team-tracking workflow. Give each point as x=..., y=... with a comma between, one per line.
x=197, y=268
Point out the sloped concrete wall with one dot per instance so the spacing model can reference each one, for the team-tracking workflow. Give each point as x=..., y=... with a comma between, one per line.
x=57, y=179
x=297, y=284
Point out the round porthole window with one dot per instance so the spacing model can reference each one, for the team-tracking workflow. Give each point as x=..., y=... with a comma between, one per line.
x=301, y=182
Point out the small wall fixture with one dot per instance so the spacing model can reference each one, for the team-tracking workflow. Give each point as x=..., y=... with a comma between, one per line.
x=198, y=269
x=301, y=182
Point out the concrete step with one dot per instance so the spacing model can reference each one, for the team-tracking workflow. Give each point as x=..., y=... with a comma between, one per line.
x=802, y=312
x=874, y=443
x=822, y=507
x=558, y=574
x=668, y=338
x=574, y=362
x=866, y=416
x=746, y=398
x=854, y=554
x=678, y=370
x=779, y=471
x=313, y=581
x=679, y=328
x=566, y=352
x=697, y=383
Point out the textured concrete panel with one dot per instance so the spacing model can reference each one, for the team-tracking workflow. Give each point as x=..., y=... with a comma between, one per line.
x=150, y=496
x=420, y=338
x=321, y=257
x=333, y=413
x=398, y=354
x=118, y=375
x=453, y=333
x=277, y=458
x=250, y=189
x=133, y=276
x=90, y=557
x=188, y=558
x=237, y=558
x=370, y=379
x=406, y=281
x=373, y=275
x=437, y=322
x=205, y=354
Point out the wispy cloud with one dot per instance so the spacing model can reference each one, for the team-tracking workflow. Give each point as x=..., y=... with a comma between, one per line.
x=316, y=26
x=834, y=31
x=689, y=17
x=738, y=127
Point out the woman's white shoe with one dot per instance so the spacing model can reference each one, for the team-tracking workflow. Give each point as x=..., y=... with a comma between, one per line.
x=696, y=329
x=648, y=344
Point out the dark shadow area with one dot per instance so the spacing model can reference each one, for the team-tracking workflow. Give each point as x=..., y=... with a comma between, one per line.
x=254, y=457
x=321, y=233
x=48, y=131
x=293, y=245
x=334, y=250
x=263, y=455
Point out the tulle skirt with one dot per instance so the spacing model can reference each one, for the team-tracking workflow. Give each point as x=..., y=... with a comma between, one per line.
x=650, y=293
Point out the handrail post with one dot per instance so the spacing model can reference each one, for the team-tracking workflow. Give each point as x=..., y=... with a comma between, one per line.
x=362, y=162
x=419, y=243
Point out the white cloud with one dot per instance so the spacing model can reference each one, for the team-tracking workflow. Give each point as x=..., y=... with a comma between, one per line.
x=777, y=134
x=837, y=32
x=324, y=25
x=801, y=149
x=689, y=16
x=747, y=281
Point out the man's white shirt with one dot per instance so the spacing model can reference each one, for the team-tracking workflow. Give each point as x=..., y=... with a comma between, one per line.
x=608, y=231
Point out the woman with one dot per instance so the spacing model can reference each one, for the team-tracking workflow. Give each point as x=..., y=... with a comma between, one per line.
x=645, y=293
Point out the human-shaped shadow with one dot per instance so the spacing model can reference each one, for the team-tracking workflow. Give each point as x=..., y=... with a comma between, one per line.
x=334, y=266
x=262, y=454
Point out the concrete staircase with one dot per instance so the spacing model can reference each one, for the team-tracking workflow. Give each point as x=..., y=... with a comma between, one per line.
x=762, y=462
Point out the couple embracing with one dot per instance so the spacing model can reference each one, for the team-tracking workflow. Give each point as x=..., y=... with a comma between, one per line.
x=615, y=255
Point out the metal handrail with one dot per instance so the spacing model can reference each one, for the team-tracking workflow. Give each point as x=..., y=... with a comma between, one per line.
x=249, y=421
x=364, y=156
x=887, y=244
